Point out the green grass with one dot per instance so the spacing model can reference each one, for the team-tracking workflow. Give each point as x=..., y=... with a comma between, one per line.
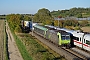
x=31, y=49
x=22, y=49
x=37, y=50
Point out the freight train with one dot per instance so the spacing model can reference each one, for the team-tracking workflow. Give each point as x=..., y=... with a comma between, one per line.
x=58, y=37
x=78, y=38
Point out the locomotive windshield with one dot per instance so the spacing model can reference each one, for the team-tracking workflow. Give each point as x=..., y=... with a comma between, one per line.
x=65, y=37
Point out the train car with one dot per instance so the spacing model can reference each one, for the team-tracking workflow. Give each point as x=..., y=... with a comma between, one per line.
x=86, y=42
x=56, y=36
x=78, y=39
x=40, y=30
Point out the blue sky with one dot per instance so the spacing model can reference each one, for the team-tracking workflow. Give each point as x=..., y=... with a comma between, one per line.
x=32, y=6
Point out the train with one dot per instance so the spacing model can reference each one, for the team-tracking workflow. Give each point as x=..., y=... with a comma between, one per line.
x=26, y=26
x=58, y=37
x=78, y=38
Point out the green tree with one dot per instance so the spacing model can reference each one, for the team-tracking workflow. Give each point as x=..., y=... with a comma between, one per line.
x=27, y=18
x=79, y=15
x=13, y=20
x=56, y=23
x=42, y=16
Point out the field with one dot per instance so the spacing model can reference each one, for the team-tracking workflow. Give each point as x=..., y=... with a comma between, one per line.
x=86, y=29
x=37, y=50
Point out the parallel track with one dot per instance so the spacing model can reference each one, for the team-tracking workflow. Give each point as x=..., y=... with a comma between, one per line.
x=69, y=54
x=63, y=52
x=77, y=54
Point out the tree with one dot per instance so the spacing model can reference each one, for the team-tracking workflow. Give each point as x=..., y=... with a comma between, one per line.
x=76, y=12
x=13, y=20
x=56, y=23
x=79, y=15
x=42, y=16
x=27, y=18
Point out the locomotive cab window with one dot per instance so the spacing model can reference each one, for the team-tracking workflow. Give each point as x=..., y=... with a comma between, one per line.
x=67, y=37
x=63, y=37
x=76, y=38
x=87, y=42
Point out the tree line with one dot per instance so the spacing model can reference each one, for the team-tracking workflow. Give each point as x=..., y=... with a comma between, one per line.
x=45, y=17
x=75, y=12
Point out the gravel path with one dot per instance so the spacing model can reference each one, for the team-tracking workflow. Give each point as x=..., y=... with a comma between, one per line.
x=13, y=50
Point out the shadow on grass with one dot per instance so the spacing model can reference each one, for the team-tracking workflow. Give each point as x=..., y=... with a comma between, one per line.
x=58, y=58
x=42, y=51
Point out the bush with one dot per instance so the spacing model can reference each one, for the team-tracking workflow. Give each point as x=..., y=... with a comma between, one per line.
x=69, y=27
x=77, y=28
x=18, y=29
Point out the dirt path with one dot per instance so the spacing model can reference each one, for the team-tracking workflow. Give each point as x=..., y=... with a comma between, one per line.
x=1, y=39
x=14, y=53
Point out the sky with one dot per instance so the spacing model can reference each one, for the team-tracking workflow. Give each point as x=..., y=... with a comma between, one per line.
x=32, y=6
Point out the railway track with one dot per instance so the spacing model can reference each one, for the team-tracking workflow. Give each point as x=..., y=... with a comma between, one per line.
x=85, y=55
x=59, y=50
x=69, y=54
x=78, y=54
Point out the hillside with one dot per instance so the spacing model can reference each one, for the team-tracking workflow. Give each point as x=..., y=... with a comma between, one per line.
x=76, y=12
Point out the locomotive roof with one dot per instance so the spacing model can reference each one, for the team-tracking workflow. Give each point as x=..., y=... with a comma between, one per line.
x=60, y=31
x=50, y=27
x=78, y=34
x=41, y=27
x=87, y=37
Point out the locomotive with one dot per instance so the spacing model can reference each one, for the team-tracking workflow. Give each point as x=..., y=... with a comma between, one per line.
x=26, y=26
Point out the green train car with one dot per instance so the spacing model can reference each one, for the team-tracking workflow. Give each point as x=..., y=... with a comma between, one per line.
x=40, y=30
x=58, y=37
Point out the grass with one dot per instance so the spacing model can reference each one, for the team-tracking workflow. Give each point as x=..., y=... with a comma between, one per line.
x=37, y=50
x=32, y=49
x=22, y=49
